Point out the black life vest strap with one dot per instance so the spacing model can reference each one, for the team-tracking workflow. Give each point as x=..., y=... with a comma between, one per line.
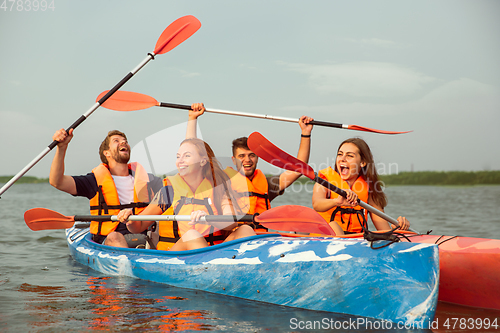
x=104, y=207
x=132, y=205
x=168, y=239
x=342, y=211
x=264, y=196
x=193, y=201
x=211, y=239
x=175, y=226
x=102, y=204
x=255, y=194
x=175, y=230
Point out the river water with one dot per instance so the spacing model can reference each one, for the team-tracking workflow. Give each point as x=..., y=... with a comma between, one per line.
x=42, y=289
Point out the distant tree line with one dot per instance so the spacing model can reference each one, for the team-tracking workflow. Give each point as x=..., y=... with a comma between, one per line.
x=443, y=178
x=24, y=180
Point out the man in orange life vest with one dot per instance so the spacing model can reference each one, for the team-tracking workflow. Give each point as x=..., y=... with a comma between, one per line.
x=256, y=191
x=113, y=185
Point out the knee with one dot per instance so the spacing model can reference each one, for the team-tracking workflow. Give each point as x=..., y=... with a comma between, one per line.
x=245, y=231
x=113, y=236
x=190, y=235
x=115, y=239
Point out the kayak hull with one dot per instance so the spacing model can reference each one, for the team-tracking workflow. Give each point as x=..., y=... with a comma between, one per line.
x=398, y=283
x=470, y=269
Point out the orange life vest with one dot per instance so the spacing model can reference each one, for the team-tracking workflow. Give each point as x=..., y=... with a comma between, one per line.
x=107, y=202
x=185, y=202
x=252, y=194
x=349, y=218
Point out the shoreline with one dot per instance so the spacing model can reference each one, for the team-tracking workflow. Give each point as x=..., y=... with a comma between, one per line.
x=24, y=180
x=443, y=178
x=437, y=178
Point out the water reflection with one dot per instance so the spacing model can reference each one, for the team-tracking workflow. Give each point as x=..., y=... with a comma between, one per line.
x=114, y=307
x=119, y=305
x=124, y=304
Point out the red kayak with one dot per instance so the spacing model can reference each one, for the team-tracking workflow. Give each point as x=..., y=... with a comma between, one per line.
x=469, y=268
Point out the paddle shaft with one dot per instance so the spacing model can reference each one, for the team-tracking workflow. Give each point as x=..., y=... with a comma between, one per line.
x=253, y=115
x=76, y=123
x=363, y=204
x=185, y=218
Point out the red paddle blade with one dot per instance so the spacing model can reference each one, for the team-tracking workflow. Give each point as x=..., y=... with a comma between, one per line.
x=177, y=32
x=277, y=157
x=295, y=218
x=127, y=101
x=45, y=219
x=366, y=129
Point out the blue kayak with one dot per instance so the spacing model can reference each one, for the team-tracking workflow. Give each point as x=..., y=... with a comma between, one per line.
x=397, y=283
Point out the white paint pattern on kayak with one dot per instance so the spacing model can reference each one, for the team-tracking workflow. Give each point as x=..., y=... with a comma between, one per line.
x=334, y=248
x=229, y=261
x=311, y=256
x=416, y=247
x=280, y=249
x=250, y=246
x=85, y=250
x=170, y=261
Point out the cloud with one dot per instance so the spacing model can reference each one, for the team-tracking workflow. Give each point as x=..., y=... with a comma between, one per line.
x=454, y=128
x=363, y=79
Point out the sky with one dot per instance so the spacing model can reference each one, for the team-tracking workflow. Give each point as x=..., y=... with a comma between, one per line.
x=427, y=66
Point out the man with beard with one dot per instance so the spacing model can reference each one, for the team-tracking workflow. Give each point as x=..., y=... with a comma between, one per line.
x=113, y=185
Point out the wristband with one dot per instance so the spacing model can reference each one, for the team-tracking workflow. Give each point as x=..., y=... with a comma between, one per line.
x=305, y=136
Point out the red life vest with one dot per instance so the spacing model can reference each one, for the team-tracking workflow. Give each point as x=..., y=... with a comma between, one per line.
x=349, y=218
x=185, y=202
x=107, y=202
x=252, y=194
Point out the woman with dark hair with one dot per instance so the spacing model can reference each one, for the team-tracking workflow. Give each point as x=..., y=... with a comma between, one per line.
x=354, y=172
x=199, y=188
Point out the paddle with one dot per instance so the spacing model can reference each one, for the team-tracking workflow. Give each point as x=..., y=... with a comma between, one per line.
x=132, y=101
x=277, y=157
x=285, y=218
x=177, y=32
